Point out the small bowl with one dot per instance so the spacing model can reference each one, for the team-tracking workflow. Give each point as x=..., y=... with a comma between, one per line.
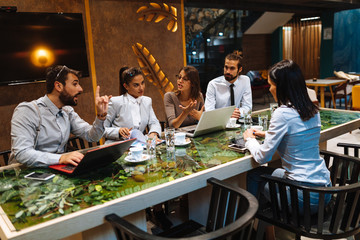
x=257, y=127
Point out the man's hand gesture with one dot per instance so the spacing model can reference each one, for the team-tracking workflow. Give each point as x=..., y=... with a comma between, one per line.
x=101, y=103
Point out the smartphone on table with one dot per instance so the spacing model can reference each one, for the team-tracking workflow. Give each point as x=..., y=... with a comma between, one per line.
x=40, y=176
x=238, y=145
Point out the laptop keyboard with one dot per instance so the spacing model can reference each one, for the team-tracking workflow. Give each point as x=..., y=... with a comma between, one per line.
x=68, y=167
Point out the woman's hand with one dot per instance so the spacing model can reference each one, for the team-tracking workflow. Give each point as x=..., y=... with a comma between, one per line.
x=252, y=133
x=153, y=135
x=124, y=132
x=102, y=104
x=258, y=133
x=197, y=114
x=191, y=106
x=249, y=134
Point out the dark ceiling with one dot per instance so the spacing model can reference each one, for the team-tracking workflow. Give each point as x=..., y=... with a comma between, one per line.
x=299, y=7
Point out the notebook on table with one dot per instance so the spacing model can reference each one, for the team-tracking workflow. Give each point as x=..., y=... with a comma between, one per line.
x=96, y=157
x=210, y=121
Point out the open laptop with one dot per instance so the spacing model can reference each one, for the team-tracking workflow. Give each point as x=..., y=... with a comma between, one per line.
x=210, y=121
x=96, y=157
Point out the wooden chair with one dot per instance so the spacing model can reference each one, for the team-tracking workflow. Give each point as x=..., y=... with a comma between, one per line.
x=76, y=143
x=231, y=214
x=347, y=146
x=338, y=219
x=5, y=156
x=339, y=92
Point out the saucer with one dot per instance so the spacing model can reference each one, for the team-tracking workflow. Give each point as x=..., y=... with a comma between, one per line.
x=188, y=141
x=257, y=127
x=235, y=126
x=144, y=157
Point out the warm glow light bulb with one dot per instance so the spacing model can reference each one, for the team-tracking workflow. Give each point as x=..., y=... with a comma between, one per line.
x=42, y=57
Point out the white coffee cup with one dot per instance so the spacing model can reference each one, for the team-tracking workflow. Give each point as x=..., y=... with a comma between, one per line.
x=232, y=122
x=180, y=138
x=136, y=153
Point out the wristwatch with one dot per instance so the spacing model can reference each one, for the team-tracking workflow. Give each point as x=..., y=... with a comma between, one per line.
x=102, y=115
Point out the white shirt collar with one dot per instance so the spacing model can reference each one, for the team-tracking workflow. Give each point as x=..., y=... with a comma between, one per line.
x=134, y=100
x=235, y=83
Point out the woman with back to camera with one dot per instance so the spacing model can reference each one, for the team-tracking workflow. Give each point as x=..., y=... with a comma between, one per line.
x=294, y=132
x=185, y=106
x=130, y=110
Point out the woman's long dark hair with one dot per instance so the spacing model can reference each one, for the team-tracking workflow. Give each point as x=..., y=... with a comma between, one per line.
x=127, y=74
x=291, y=88
x=193, y=75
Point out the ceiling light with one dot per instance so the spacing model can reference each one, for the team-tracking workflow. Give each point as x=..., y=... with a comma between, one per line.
x=309, y=18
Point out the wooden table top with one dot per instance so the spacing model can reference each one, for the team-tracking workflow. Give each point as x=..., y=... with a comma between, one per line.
x=324, y=82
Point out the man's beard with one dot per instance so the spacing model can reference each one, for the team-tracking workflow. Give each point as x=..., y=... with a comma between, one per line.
x=67, y=99
x=229, y=77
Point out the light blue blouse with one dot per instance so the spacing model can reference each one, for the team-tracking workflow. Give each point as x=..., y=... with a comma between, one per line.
x=297, y=143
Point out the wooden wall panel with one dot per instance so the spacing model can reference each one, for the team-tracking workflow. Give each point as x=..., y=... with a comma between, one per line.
x=257, y=51
x=116, y=28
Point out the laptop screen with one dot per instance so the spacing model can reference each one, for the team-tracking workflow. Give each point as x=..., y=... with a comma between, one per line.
x=97, y=157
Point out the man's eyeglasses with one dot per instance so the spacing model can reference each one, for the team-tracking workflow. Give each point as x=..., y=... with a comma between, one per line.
x=178, y=77
x=57, y=75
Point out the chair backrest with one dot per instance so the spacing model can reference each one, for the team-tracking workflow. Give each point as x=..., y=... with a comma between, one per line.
x=356, y=97
x=338, y=219
x=76, y=143
x=231, y=214
x=348, y=146
x=5, y=155
x=340, y=90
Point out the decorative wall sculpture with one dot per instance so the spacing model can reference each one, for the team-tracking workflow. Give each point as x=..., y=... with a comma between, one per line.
x=157, y=13
x=151, y=69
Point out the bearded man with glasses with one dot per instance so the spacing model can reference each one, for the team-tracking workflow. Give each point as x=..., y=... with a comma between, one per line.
x=40, y=129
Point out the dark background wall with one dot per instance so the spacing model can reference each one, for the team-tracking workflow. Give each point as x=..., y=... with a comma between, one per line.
x=346, y=35
x=257, y=52
x=326, y=48
x=115, y=28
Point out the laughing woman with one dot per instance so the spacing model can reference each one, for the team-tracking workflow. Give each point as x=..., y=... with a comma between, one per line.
x=185, y=106
x=131, y=110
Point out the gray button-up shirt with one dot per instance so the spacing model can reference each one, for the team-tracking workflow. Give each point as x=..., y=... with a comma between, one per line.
x=56, y=126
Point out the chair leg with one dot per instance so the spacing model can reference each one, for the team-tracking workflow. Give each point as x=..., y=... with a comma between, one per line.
x=357, y=236
x=261, y=230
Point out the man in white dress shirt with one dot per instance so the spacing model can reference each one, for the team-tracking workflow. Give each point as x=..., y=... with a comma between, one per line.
x=231, y=88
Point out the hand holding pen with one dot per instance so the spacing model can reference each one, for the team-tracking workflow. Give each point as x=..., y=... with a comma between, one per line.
x=125, y=132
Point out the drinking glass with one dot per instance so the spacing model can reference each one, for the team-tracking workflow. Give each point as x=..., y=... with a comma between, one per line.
x=263, y=121
x=247, y=119
x=170, y=139
x=151, y=146
x=273, y=107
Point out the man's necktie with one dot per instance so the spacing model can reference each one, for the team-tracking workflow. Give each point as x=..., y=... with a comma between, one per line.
x=232, y=94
